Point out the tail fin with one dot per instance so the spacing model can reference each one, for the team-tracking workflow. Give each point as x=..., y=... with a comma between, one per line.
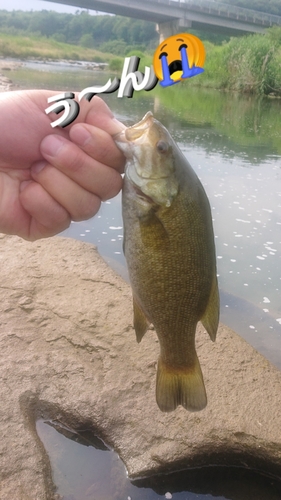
x=184, y=386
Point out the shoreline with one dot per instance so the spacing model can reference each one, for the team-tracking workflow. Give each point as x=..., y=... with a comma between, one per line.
x=69, y=352
x=6, y=84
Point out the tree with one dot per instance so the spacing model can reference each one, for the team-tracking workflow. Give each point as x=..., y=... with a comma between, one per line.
x=269, y=7
x=87, y=41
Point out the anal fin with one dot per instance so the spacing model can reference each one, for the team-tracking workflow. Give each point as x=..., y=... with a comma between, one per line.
x=141, y=323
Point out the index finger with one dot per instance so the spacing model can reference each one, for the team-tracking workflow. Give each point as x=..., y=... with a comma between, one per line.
x=101, y=116
x=98, y=144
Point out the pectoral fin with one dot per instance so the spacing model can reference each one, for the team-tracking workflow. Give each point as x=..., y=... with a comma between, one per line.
x=141, y=323
x=210, y=318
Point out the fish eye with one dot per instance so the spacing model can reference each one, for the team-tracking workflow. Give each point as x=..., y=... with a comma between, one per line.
x=162, y=146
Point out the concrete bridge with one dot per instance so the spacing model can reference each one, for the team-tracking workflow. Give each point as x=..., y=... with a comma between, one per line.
x=173, y=16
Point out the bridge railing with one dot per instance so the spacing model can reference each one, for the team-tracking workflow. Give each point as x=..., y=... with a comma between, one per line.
x=228, y=11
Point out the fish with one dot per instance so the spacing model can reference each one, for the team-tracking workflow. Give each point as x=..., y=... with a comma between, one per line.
x=170, y=253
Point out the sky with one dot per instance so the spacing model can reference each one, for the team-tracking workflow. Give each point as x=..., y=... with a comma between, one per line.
x=36, y=5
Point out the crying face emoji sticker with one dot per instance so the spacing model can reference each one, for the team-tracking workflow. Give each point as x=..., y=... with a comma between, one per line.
x=178, y=57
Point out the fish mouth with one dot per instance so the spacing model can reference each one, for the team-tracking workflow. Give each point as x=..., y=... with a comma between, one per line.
x=175, y=66
x=134, y=132
x=139, y=129
x=126, y=139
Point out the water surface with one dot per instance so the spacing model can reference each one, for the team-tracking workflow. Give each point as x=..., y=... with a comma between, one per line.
x=233, y=143
x=84, y=468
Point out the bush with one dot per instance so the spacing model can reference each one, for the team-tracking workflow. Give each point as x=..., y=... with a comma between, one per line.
x=274, y=34
x=73, y=55
x=59, y=37
x=216, y=74
x=98, y=59
x=136, y=52
x=87, y=41
x=117, y=47
x=135, y=48
x=116, y=64
x=248, y=60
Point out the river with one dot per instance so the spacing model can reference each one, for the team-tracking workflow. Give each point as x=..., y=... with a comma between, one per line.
x=233, y=144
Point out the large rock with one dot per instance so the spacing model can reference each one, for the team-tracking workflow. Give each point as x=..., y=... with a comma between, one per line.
x=68, y=351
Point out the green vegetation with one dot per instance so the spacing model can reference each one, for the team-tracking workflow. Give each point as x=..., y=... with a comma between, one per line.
x=242, y=121
x=121, y=33
x=254, y=64
x=116, y=64
x=270, y=7
x=249, y=64
x=24, y=47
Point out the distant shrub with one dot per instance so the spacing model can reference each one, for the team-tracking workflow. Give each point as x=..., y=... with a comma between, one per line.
x=98, y=59
x=73, y=55
x=215, y=69
x=116, y=64
x=59, y=37
x=274, y=34
x=117, y=47
x=132, y=49
x=248, y=60
x=87, y=41
x=137, y=53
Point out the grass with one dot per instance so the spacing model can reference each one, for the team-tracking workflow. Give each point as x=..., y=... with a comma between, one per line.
x=25, y=47
x=247, y=64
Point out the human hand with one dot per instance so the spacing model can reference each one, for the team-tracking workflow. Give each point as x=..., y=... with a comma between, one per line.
x=49, y=177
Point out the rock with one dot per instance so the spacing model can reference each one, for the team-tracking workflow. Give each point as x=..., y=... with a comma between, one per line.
x=8, y=64
x=5, y=83
x=68, y=351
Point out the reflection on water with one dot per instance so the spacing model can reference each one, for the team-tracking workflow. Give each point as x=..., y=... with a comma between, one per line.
x=72, y=77
x=85, y=469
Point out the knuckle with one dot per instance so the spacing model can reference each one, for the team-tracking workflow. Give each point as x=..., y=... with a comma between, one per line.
x=86, y=207
x=74, y=161
x=113, y=187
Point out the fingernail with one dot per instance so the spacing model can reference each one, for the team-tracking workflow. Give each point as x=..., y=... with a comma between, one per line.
x=38, y=166
x=120, y=125
x=51, y=145
x=80, y=135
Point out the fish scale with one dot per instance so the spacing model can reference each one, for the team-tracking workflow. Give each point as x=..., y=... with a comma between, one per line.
x=170, y=253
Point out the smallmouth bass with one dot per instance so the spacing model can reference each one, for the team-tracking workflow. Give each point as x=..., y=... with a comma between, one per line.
x=170, y=252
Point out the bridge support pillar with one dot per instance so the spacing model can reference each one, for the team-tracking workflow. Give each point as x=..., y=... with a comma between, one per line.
x=172, y=28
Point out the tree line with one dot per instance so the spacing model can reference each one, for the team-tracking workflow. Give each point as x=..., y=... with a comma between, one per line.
x=117, y=35
x=269, y=7
x=109, y=33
